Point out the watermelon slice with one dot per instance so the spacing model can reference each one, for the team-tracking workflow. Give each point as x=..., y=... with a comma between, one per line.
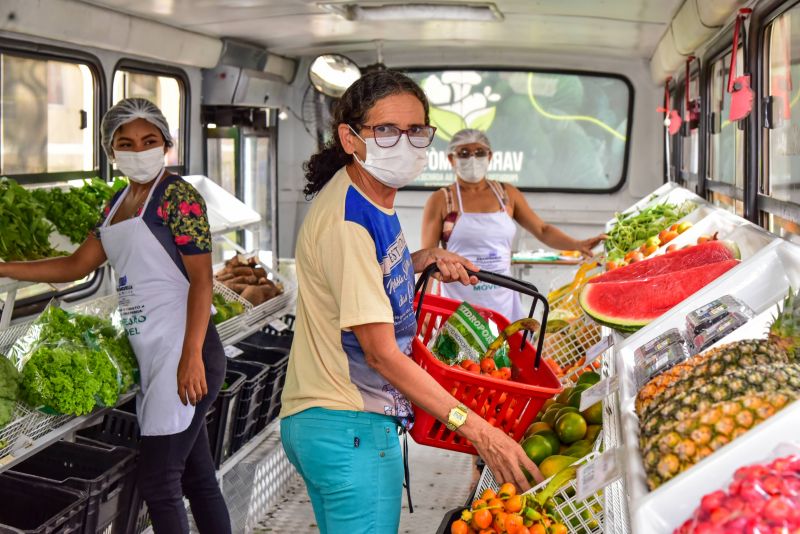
x=703, y=254
x=631, y=304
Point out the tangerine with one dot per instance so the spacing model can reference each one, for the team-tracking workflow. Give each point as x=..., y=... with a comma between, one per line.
x=459, y=527
x=488, y=365
x=507, y=490
x=481, y=518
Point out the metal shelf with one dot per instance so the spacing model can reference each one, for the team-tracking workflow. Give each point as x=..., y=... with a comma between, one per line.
x=39, y=430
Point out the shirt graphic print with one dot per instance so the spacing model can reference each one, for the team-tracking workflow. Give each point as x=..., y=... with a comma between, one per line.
x=398, y=281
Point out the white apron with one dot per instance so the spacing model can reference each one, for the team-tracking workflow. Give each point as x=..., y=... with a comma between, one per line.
x=152, y=301
x=486, y=240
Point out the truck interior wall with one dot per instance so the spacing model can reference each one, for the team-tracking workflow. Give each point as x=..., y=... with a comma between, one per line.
x=579, y=214
x=194, y=154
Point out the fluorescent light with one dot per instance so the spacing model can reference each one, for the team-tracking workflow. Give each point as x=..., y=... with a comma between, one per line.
x=211, y=125
x=375, y=12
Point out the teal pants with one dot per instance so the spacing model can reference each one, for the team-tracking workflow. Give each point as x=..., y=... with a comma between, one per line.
x=352, y=466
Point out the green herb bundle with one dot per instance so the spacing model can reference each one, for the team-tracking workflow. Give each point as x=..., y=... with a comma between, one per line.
x=25, y=231
x=633, y=229
x=75, y=212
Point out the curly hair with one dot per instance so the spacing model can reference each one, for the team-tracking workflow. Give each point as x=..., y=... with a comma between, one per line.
x=352, y=109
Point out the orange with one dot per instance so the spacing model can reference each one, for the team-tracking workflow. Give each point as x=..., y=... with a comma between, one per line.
x=523, y=530
x=459, y=527
x=506, y=372
x=500, y=522
x=488, y=365
x=488, y=494
x=465, y=363
x=481, y=518
x=495, y=505
x=538, y=528
x=513, y=523
x=558, y=528
x=477, y=504
x=496, y=374
x=488, y=531
x=507, y=490
x=514, y=504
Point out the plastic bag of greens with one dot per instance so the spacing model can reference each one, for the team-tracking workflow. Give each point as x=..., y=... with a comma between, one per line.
x=101, y=334
x=69, y=378
x=63, y=365
x=9, y=390
x=464, y=336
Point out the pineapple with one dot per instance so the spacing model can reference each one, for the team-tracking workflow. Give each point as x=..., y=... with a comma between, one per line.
x=781, y=346
x=681, y=444
x=688, y=397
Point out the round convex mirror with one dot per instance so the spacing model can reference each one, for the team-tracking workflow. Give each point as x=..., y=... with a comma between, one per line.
x=332, y=74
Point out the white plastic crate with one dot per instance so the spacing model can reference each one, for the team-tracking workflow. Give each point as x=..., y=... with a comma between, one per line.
x=568, y=345
x=585, y=517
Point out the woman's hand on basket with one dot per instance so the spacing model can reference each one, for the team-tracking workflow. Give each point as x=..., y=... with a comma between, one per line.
x=503, y=455
x=452, y=267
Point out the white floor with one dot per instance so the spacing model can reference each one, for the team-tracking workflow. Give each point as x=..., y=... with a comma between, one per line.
x=440, y=481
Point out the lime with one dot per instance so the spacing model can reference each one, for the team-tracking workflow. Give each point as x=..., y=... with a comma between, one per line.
x=594, y=414
x=535, y=428
x=537, y=448
x=592, y=431
x=564, y=395
x=552, y=439
x=547, y=404
x=589, y=377
x=571, y=427
x=550, y=417
x=565, y=409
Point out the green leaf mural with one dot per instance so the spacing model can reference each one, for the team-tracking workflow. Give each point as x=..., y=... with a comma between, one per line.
x=447, y=122
x=482, y=120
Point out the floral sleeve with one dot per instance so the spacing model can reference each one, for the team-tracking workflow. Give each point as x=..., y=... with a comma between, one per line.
x=184, y=211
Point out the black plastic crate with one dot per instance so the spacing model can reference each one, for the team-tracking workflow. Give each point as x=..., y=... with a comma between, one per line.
x=36, y=508
x=120, y=427
x=270, y=337
x=256, y=348
x=102, y=474
x=449, y=518
x=250, y=399
x=220, y=429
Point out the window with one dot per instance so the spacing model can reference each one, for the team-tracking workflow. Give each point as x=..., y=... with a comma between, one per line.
x=726, y=145
x=690, y=134
x=47, y=116
x=548, y=130
x=782, y=176
x=167, y=92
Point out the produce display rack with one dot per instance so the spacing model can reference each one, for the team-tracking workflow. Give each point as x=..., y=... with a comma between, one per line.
x=769, y=267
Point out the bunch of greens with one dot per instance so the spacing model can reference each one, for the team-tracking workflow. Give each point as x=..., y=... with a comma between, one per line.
x=633, y=229
x=72, y=362
x=76, y=211
x=9, y=390
x=25, y=231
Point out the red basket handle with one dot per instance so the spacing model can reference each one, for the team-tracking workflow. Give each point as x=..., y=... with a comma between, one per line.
x=502, y=281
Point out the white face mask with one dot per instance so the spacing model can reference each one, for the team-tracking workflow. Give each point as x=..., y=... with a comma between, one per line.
x=396, y=166
x=472, y=169
x=141, y=167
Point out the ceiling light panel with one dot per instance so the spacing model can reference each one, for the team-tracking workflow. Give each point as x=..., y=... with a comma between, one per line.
x=416, y=11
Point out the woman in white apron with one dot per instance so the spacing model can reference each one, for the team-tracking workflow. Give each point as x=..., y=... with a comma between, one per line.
x=155, y=234
x=475, y=218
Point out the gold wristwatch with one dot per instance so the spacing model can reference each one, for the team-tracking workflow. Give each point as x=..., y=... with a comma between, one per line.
x=457, y=417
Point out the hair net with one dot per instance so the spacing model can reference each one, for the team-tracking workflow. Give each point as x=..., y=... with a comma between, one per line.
x=467, y=136
x=128, y=110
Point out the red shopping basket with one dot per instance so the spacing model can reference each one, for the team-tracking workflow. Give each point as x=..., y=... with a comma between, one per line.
x=508, y=404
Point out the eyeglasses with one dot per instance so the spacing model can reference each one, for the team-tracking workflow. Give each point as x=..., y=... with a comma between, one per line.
x=465, y=153
x=387, y=135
